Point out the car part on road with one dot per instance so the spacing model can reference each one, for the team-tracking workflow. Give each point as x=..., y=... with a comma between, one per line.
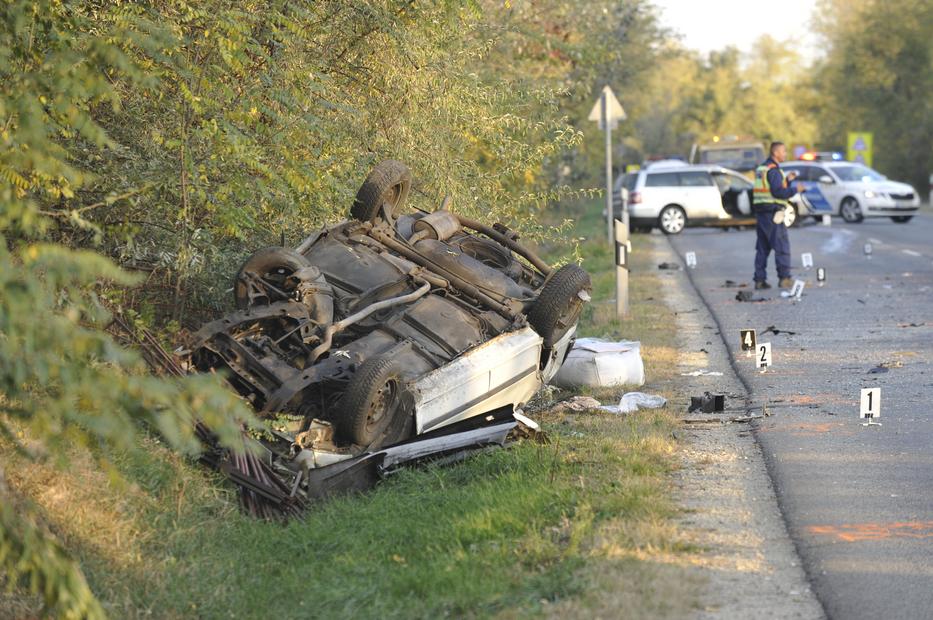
x=748, y=296
x=707, y=403
x=672, y=220
x=901, y=219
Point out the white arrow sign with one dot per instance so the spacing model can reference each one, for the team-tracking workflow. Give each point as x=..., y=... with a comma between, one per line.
x=614, y=110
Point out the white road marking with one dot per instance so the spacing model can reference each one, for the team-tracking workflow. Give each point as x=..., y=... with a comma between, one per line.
x=911, y=253
x=875, y=241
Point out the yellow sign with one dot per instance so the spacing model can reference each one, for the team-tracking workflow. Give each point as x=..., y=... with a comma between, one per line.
x=860, y=143
x=632, y=168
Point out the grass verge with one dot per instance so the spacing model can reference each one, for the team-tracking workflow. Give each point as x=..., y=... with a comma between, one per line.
x=579, y=526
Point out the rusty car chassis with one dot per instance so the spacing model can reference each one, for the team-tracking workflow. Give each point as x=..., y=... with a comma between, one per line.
x=391, y=336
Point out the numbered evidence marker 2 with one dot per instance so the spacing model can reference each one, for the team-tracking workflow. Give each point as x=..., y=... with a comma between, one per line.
x=807, y=260
x=870, y=406
x=763, y=355
x=747, y=337
x=691, y=258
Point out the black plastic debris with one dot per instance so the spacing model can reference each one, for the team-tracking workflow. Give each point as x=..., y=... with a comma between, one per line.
x=774, y=330
x=748, y=296
x=708, y=403
x=671, y=266
x=734, y=284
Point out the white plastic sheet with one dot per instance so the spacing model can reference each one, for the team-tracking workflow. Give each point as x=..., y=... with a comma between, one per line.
x=595, y=362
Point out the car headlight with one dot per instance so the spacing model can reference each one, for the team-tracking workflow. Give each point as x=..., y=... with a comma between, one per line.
x=870, y=194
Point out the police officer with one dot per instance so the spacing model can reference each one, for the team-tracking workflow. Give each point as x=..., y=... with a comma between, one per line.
x=770, y=198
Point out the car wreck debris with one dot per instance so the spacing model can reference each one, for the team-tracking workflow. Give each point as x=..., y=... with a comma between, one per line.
x=594, y=362
x=374, y=341
x=707, y=403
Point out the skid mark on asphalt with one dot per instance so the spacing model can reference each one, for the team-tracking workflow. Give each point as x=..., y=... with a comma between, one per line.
x=858, y=532
x=808, y=429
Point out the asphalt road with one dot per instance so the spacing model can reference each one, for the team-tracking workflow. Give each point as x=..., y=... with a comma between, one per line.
x=858, y=501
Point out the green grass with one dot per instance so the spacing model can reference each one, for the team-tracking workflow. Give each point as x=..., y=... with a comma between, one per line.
x=578, y=526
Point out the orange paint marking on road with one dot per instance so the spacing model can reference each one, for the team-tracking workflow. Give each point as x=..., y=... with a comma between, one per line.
x=857, y=532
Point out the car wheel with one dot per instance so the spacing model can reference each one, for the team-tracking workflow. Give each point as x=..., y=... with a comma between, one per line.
x=268, y=266
x=560, y=303
x=791, y=217
x=672, y=220
x=901, y=219
x=850, y=210
x=384, y=191
x=375, y=408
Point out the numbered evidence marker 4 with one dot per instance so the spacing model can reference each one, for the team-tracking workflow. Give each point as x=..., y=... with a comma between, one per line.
x=763, y=355
x=747, y=338
x=806, y=259
x=691, y=258
x=870, y=406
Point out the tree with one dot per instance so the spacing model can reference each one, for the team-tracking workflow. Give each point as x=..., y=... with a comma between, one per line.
x=875, y=78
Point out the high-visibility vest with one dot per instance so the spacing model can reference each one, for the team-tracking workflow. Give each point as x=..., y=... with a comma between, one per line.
x=761, y=194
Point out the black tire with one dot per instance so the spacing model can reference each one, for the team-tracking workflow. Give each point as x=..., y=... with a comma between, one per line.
x=386, y=186
x=559, y=305
x=672, y=220
x=850, y=210
x=901, y=219
x=374, y=410
x=273, y=263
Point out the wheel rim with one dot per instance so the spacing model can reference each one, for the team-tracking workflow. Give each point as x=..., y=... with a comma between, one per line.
x=382, y=406
x=672, y=220
x=850, y=210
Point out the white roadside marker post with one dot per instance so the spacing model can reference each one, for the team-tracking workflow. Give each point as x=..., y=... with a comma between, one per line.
x=608, y=112
x=870, y=406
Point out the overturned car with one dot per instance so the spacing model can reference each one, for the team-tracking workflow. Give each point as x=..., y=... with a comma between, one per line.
x=391, y=325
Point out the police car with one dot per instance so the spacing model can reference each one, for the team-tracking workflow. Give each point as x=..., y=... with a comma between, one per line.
x=853, y=190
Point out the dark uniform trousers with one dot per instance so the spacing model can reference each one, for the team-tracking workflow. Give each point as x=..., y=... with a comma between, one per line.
x=771, y=236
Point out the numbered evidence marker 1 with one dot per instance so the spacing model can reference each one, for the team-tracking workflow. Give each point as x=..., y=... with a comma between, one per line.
x=747, y=337
x=691, y=258
x=821, y=275
x=870, y=406
x=807, y=260
x=763, y=355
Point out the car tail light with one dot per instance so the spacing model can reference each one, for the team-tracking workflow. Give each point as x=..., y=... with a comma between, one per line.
x=634, y=198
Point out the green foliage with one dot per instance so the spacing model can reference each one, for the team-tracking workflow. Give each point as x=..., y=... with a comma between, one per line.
x=880, y=79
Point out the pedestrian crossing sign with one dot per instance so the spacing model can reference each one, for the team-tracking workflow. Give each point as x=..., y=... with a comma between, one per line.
x=860, y=147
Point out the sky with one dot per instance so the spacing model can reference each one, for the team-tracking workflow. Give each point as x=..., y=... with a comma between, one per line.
x=707, y=25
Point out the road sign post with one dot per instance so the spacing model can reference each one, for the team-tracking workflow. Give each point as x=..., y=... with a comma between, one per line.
x=608, y=112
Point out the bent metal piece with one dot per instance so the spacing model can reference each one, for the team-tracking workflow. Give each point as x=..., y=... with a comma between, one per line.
x=456, y=281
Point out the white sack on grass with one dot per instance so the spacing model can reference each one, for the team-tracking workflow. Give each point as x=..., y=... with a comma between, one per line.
x=599, y=363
